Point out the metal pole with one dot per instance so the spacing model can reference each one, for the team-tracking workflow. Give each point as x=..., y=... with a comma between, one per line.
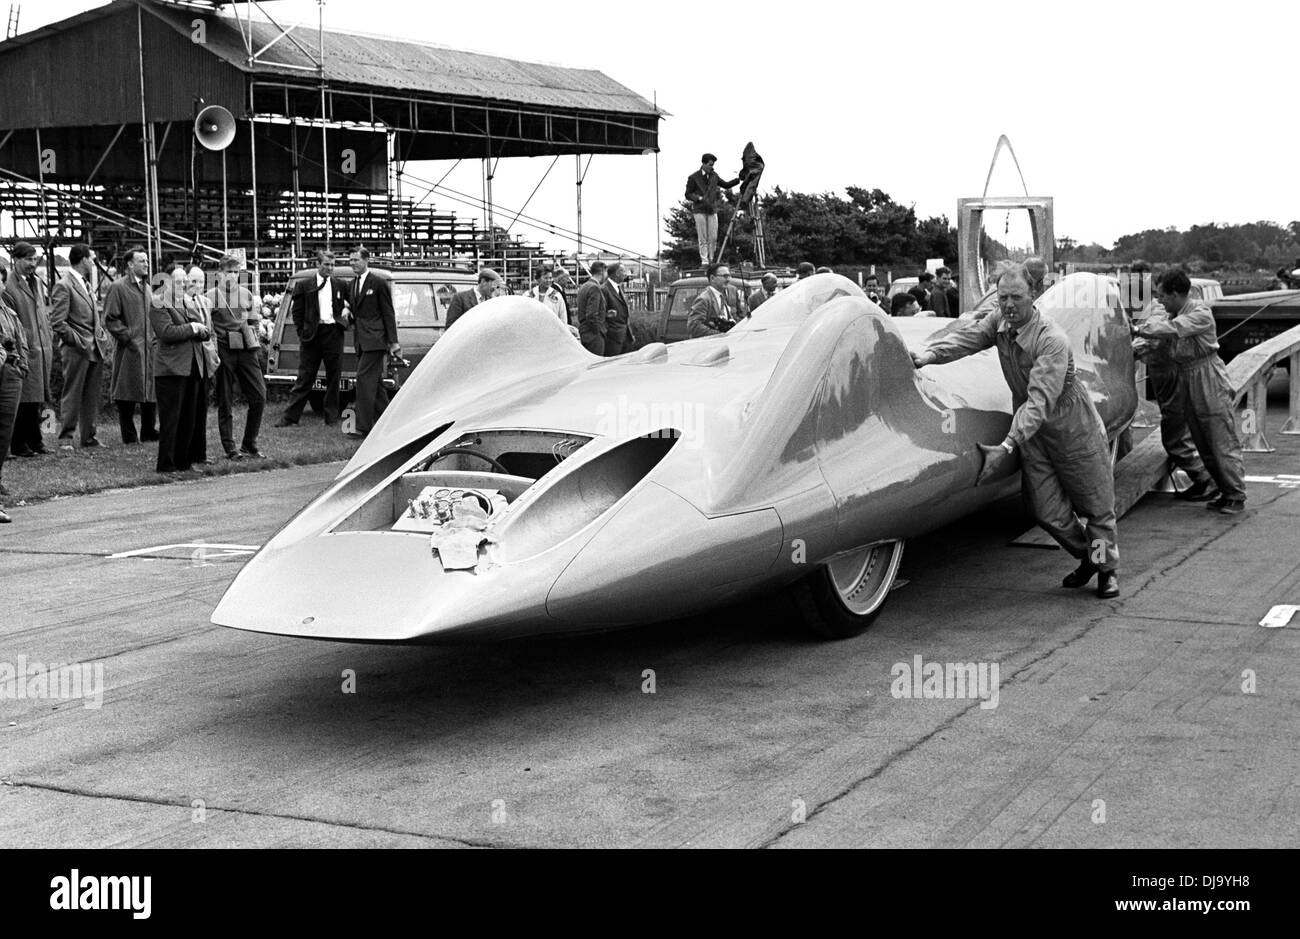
x=659, y=221
x=578, y=164
x=225, y=212
x=252, y=145
x=40, y=178
x=297, y=194
x=487, y=190
x=401, y=215
x=144, y=143
x=153, y=182
x=324, y=149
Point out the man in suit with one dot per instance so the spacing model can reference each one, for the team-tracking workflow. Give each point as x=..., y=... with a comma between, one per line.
x=13, y=368
x=593, y=309
x=126, y=315
x=318, y=308
x=75, y=319
x=711, y=313
x=182, y=372
x=236, y=312
x=24, y=294
x=618, y=338
x=375, y=331
x=703, y=194
x=488, y=282
x=765, y=292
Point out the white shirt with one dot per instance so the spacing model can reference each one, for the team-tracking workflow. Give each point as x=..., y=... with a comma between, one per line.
x=325, y=300
x=722, y=302
x=81, y=280
x=552, y=299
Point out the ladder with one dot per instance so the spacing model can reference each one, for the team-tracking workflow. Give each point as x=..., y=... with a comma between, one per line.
x=14, y=10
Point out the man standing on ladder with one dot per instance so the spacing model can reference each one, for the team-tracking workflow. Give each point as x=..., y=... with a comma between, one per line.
x=703, y=193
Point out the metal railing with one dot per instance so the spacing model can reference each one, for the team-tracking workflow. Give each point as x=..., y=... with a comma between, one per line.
x=1250, y=372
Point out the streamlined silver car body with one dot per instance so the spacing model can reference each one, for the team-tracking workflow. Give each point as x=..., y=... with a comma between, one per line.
x=799, y=450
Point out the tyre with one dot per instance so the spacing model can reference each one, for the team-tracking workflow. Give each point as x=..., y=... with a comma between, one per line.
x=843, y=597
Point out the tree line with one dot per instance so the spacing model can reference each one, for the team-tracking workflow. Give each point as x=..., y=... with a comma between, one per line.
x=867, y=227
x=1252, y=245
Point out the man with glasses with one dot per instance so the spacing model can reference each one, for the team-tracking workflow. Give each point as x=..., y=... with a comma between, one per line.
x=711, y=313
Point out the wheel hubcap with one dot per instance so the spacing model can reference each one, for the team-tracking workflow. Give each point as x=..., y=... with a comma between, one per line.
x=862, y=579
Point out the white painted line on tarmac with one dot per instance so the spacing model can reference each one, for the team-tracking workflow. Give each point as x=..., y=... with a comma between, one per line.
x=210, y=550
x=1279, y=616
x=1286, y=482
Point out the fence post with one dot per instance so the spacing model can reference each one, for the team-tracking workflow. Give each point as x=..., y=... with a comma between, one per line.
x=1292, y=425
x=1253, y=439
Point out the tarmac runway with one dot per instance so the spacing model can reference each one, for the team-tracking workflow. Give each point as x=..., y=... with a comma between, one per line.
x=1130, y=722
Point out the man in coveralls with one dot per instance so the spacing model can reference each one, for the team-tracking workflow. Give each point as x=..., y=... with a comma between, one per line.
x=1204, y=394
x=1163, y=375
x=1064, y=455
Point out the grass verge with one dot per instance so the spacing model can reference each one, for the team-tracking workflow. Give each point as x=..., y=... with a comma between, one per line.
x=117, y=466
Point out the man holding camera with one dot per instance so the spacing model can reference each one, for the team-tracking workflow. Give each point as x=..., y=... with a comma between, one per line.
x=711, y=313
x=236, y=312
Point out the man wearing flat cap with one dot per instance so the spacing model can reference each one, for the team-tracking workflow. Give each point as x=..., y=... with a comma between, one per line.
x=23, y=292
x=703, y=194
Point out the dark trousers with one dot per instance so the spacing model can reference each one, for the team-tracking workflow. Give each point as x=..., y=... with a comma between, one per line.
x=617, y=340
x=11, y=390
x=81, y=391
x=148, y=420
x=27, y=428
x=325, y=347
x=1206, y=401
x=244, y=366
x=1174, y=433
x=182, y=420
x=593, y=340
x=372, y=396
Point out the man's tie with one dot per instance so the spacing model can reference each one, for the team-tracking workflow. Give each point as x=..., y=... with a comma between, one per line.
x=1011, y=334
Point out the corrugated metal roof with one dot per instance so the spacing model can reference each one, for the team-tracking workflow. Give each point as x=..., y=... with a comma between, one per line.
x=384, y=63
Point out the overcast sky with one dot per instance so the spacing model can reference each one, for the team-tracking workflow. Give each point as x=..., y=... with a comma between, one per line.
x=1133, y=115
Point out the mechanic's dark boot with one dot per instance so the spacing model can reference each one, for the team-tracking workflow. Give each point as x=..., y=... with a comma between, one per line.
x=1199, y=491
x=1080, y=576
x=1107, y=585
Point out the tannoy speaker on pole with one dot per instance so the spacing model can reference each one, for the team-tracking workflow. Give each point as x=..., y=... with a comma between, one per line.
x=215, y=129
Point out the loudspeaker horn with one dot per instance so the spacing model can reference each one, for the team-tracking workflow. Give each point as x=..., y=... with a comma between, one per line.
x=214, y=127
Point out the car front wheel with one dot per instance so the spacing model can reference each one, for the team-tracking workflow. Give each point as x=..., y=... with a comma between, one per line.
x=844, y=596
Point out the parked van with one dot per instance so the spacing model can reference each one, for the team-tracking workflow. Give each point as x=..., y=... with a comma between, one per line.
x=420, y=300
